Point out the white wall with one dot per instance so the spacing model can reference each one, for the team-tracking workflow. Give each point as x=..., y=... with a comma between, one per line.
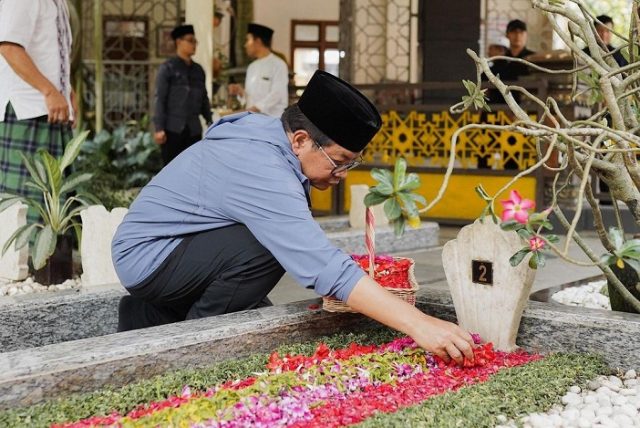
x=278, y=15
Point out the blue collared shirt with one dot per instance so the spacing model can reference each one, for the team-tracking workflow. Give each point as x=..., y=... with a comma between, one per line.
x=244, y=171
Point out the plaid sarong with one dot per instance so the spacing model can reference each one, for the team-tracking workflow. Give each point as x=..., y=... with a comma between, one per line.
x=27, y=136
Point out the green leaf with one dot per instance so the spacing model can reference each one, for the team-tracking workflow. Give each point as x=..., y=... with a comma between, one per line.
x=547, y=225
x=399, y=225
x=533, y=261
x=34, y=172
x=374, y=198
x=52, y=167
x=510, y=225
x=542, y=259
x=552, y=238
x=524, y=233
x=616, y=237
x=392, y=209
x=607, y=259
x=72, y=150
x=419, y=199
x=518, y=257
x=409, y=205
x=75, y=180
x=382, y=176
x=20, y=236
x=43, y=247
x=411, y=182
x=399, y=173
x=383, y=189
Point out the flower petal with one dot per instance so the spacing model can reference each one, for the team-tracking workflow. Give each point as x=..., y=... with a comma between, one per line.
x=521, y=216
x=507, y=204
x=515, y=196
x=527, y=204
x=507, y=215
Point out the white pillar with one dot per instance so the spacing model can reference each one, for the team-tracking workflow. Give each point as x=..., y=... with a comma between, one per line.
x=199, y=13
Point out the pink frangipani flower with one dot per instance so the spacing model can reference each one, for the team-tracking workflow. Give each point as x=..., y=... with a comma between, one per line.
x=516, y=208
x=536, y=243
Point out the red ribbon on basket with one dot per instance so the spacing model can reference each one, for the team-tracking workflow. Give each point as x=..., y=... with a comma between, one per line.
x=370, y=240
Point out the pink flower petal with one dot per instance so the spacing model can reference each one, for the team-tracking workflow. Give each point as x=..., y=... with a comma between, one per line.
x=527, y=204
x=507, y=204
x=507, y=215
x=515, y=197
x=521, y=216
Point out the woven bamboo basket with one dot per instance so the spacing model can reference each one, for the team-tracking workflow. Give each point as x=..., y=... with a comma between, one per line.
x=331, y=304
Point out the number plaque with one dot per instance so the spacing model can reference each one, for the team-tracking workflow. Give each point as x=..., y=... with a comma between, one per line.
x=482, y=272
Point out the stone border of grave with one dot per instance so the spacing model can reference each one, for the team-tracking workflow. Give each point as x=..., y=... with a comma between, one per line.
x=32, y=375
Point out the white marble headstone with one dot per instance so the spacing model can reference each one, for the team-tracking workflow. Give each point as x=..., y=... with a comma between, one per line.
x=492, y=310
x=98, y=228
x=358, y=210
x=14, y=264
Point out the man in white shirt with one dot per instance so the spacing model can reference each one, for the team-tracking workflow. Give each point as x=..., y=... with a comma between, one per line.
x=266, y=84
x=35, y=93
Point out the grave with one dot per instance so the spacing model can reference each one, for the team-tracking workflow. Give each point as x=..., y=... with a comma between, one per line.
x=32, y=375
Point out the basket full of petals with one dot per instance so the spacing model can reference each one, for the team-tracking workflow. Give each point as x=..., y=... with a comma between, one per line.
x=395, y=274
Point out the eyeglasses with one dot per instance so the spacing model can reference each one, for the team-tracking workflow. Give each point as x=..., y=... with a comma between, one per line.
x=339, y=168
x=193, y=41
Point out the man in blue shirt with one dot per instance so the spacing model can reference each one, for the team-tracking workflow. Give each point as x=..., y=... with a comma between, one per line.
x=216, y=229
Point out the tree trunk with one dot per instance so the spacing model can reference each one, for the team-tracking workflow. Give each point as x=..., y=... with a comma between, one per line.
x=59, y=267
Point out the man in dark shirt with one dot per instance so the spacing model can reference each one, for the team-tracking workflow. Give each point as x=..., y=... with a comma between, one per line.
x=181, y=96
x=604, y=25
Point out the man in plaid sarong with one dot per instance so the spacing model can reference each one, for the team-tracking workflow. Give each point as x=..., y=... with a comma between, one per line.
x=35, y=96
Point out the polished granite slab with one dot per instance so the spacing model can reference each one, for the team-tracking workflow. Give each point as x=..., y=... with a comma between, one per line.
x=31, y=375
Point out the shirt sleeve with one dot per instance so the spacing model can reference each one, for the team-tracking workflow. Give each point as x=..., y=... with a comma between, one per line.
x=277, y=98
x=276, y=212
x=162, y=93
x=18, y=21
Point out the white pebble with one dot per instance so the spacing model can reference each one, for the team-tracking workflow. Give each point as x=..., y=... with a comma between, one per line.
x=615, y=380
x=594, y=384
x=628, y=391
x=571, y=398
x=630, y=374
x=631, y=382
x=591, y=398
x=12, y=291
x=612, y=387
x=604, y=410
x=629, y=410
x=585, y=423
x=570, y=414
x=618, y=400
x=29, y=280
x=502, y=419
x=623, y=420
x=575, y=389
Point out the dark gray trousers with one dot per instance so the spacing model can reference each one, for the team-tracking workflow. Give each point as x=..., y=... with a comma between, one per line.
x=209, y=273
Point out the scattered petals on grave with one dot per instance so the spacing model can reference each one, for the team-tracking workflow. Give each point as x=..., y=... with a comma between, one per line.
x=330, y=388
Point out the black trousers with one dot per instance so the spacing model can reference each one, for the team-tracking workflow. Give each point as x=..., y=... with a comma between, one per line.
x=176, y=144
x=209, y=273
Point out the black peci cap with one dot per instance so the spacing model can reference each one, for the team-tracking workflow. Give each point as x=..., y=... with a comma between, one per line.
x=182, y=30
x=260, y=31
x=516, y=24
x=340, y=111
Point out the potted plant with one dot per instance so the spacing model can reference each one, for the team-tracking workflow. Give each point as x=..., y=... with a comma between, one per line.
x=59, y=210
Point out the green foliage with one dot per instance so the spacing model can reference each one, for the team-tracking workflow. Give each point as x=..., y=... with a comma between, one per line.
x=122, y=161
x=58, y=212
x=531, y=231
x=123, y=400
x=396, y=191
x=514, y=392
x=624, y=251
x=476, y=97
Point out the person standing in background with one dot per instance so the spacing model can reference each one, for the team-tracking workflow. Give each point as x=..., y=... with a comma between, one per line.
x=604, y=25
x=266, y=84
x=181, y=97
x=37, y=106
